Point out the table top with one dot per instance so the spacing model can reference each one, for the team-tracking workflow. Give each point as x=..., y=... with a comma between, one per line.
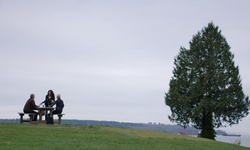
x=45, y=108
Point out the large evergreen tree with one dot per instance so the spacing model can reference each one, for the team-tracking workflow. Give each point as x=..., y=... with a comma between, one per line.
x=206, y=91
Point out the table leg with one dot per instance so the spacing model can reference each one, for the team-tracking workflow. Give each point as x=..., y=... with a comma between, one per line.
x=40, y=115
x=51, y=114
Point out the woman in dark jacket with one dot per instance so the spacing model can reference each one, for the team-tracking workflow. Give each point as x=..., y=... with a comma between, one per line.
x=49, y=99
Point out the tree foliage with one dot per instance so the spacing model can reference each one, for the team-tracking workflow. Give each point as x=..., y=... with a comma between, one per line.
x=206, y=91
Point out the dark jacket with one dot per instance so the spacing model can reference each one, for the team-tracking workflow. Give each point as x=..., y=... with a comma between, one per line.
x=48, y=102
x=30, y=105
x=59, y=105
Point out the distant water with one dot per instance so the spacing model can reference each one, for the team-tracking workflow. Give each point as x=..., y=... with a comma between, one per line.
x=244, y=139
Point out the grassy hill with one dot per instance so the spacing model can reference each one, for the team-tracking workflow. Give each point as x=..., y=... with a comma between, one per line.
x=42, y=136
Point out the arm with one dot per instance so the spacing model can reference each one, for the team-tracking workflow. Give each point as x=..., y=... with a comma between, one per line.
x=42, y=102
x=53, y=103
x=33, y=104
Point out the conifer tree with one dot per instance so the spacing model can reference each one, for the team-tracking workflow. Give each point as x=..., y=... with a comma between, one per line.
x=206, y=91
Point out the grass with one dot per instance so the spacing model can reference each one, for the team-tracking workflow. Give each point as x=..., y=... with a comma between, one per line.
x=60, y=137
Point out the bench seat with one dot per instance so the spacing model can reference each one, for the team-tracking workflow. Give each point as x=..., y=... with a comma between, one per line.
x=59, y=121
x=31, y=115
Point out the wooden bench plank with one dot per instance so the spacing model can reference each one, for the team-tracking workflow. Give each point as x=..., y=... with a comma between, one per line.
x=30, y=117
x=59, y=121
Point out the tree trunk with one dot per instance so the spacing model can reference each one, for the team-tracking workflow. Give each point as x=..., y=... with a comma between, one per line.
x=207, y=126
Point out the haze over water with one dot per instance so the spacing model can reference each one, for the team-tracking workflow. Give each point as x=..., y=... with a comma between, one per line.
x=244, y=139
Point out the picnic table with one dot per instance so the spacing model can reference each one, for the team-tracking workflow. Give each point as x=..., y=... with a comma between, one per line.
x=41, y=112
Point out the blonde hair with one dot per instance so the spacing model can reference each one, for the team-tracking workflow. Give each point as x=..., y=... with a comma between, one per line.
x=58, y=96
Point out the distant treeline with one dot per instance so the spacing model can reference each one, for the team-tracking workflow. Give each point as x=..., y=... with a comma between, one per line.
x=149, y=126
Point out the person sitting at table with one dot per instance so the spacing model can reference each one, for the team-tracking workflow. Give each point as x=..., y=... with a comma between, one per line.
x=59, y=105
x=30, y=106
x=49, y=99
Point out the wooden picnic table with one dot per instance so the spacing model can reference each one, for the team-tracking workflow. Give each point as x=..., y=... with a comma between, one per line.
x=41, y=111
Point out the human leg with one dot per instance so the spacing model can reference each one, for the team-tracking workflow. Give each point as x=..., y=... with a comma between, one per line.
x=32, y=111
x=56, y=112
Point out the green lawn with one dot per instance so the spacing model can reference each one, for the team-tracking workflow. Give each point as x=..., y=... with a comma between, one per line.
x=70, y=137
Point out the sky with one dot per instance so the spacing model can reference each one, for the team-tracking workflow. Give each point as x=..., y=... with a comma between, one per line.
x=110, y=60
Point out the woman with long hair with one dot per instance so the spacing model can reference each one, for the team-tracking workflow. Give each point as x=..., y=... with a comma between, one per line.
x=49, y=99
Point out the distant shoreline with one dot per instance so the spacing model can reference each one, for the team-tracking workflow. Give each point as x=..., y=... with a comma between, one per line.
x=145, y=126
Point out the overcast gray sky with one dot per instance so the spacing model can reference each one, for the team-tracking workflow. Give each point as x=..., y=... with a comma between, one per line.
x=110, y=60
